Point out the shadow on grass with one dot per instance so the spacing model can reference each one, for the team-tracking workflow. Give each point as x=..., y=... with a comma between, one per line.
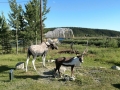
x=4, y=68
x=112, y=62
x=35, y=77
x=116, y=85
x=46, y=74
x=50, y=72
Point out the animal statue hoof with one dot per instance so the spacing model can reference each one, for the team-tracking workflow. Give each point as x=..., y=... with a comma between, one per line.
x=72, y=78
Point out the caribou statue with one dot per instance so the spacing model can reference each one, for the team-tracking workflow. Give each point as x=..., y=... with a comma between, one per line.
x=69, y=61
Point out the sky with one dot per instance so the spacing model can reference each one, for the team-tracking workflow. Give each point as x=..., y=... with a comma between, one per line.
x=98, y=14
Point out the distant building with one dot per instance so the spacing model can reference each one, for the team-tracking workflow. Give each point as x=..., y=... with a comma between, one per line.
x=60, y=33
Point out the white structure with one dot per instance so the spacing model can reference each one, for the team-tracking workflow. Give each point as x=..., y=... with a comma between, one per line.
x=60, y=33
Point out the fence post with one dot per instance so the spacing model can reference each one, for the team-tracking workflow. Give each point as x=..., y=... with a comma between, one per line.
x=11, y=74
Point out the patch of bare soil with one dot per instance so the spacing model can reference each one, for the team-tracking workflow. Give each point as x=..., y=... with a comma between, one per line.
x=46, y=72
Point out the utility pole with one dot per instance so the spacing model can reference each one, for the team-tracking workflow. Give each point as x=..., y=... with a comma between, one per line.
x=41, y=20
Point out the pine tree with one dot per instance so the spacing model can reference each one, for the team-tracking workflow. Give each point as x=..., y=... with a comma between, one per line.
x=26, y=22
x=14, y=18
x=4, y=35
x=32, y=16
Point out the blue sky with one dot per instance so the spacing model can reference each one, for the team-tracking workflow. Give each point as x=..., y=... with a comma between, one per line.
x=101, y=14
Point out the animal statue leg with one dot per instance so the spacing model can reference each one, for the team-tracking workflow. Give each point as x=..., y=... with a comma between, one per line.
x=33, y=62
x=55, y=71
x=27, y=63
x=59, y=71
x=43, y=59
x=57, y=68
x=72, y=70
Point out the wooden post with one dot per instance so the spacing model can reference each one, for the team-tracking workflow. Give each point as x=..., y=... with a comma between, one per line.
x=41, y=20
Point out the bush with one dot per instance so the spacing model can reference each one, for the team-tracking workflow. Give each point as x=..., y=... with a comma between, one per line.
x=112, y=43
x=104, y=42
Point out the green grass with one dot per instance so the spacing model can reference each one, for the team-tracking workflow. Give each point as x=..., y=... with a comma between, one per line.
x=94, y=74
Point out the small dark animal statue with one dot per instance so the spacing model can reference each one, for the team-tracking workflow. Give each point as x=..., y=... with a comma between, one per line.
x=39, y=50
x=69, y=61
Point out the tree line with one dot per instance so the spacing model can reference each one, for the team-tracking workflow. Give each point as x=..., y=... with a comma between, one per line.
x=90, y=32
x=23, y=25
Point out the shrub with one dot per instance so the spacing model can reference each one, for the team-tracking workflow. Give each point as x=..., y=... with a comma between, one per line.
x=112, y=43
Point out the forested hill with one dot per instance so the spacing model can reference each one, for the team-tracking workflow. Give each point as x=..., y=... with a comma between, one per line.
x=78, y=31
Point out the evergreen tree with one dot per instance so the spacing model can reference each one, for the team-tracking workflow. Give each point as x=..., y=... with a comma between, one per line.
x=5, y=35
x=3, y=26
x=26, y=23
x=32, y=15
x=23, y=39
x=14, y=18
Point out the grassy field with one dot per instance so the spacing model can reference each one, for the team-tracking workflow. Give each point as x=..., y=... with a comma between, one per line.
x=94, y=74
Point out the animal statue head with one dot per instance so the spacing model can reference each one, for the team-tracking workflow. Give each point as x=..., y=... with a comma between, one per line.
x=80, y=58
x=52, y=45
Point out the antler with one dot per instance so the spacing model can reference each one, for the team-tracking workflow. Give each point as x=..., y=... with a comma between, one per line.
x=86, y=50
